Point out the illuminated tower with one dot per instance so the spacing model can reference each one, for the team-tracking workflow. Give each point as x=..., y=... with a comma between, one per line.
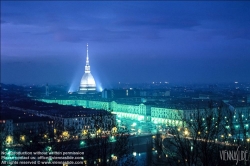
x=87, y=84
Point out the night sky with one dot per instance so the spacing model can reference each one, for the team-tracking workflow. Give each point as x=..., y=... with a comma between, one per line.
x=135, y=42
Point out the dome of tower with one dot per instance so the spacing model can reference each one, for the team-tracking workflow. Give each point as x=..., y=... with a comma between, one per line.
x=87, y=81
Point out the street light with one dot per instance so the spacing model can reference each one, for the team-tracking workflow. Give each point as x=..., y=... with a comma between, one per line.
x=22, y=137
x=98, y=131
x=114, y=157
x=48, y=148
x=85, y=132
x=139, y=131
x=186, y=132
x=9, y=140
x=82, y=143
x=65, y=133
x=114, y=129
x=112, y=139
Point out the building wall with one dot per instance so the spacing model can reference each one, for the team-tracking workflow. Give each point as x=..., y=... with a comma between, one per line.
x=142, y=112
x=78, y=124
x=34, y=127
x=84, y=103
x=167, y=116
x=6, y=130
x=139, y=112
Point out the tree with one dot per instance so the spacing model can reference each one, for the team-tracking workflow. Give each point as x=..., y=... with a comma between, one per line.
x=202, y=137
x=110, y=142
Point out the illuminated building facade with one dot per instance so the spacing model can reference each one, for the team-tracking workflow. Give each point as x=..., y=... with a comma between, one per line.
x=87, y=84
x=78, y=119
x=168, y=116
x=130, y=110
x=134, y=111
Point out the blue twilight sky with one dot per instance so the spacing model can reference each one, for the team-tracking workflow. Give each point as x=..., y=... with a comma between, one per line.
x=135, y=41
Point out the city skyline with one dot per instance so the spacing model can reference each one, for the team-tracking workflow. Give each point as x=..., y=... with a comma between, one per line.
x=183, y=42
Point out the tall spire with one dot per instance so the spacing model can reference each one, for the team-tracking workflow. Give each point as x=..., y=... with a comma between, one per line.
x=87, y=66
x=87, y=84
x=87, y=59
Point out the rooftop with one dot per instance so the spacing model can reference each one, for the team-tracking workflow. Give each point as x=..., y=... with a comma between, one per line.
x=20, y=116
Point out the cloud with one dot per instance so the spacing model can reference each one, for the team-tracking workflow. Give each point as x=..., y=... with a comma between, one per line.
x=115, y=21
x=239, y=33
x=3, y=22
x=67, y=34
x=169, y=22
